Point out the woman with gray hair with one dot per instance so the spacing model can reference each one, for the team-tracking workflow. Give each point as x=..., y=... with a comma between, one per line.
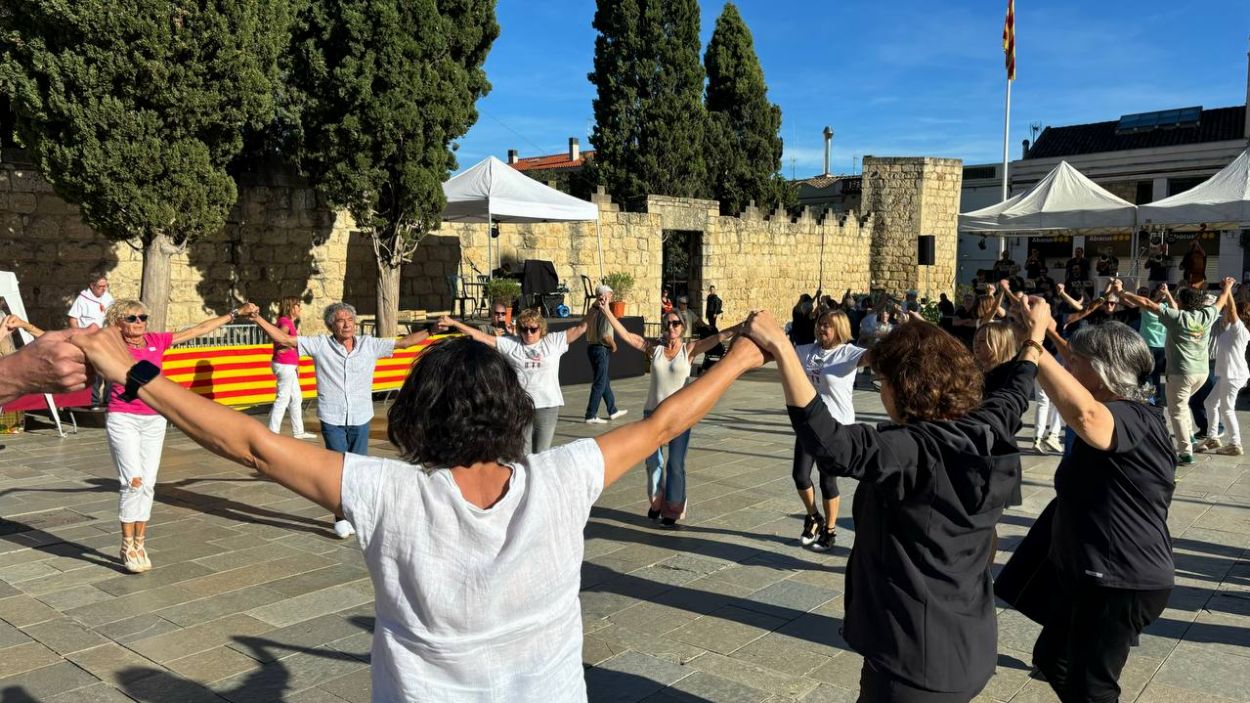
x=344, y=363
x=1109, y=542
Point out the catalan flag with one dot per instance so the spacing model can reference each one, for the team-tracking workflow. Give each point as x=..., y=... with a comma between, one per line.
x=1009, y=39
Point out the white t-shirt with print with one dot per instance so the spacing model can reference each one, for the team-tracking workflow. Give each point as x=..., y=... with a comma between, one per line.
x=476, y=604
x=1230, y=357
x=537, y=366
x=832, y=373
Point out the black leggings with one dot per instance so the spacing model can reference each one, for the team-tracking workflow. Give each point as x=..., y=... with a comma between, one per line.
x=802, y=472
x=1083, y=647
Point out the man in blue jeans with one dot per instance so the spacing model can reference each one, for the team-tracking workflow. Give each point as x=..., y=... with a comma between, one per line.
x=600, y=344
x=344, y=362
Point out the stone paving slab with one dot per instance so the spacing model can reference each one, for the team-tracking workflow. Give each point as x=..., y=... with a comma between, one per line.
x=253, y=599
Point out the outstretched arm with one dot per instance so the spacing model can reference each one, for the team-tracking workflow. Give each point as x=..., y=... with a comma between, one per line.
x=306, y=469
x=243, y=311
x=278, y=336
x=625, y=447
x=50, y=364
x=447, y=322
x=634, y=340
x=1072, y=302
x=1226, y=294
x=13, y=322
x=571, y=334
x=703, y=345
x=412, y=339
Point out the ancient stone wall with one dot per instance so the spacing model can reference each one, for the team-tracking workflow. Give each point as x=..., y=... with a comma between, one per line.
x=280, y=240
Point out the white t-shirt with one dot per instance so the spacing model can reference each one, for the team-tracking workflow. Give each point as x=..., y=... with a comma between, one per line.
x=1230, y=358
x=537, y=366
x=88, y=309
x=832, y=373
x=476, y=604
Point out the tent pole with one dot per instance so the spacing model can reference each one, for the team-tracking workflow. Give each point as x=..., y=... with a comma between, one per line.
x=490, y=257
x=599, y=242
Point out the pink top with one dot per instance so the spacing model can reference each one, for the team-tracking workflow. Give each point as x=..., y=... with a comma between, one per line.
x=153, y=350
x=286, y=355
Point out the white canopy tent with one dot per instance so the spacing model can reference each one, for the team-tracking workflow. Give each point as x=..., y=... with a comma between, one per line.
x=1064, y=200
x=491, y=191
x=1220, y=202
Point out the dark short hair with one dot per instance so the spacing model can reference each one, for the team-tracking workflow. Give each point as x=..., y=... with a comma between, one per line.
x=462, y=403
x=1190, y=298
x=933, y=375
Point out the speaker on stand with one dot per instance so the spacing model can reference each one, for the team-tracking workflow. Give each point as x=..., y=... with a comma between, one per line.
x=925, y=256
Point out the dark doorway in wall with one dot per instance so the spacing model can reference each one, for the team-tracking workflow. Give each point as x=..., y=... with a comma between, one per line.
x=683, y=266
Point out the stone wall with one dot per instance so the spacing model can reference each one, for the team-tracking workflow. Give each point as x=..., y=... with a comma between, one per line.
x=280, y=241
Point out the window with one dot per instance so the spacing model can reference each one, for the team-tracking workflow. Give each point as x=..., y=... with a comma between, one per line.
x=1145, y=192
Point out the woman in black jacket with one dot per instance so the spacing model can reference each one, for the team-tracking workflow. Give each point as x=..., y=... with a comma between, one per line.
x=919, y=601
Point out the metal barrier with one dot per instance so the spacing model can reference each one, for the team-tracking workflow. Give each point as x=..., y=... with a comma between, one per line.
x=229, y=336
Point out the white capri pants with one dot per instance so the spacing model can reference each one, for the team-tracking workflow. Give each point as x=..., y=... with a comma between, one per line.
x=136, y=441
x=1048, y=420
x=1221, y=406
x=289, y=397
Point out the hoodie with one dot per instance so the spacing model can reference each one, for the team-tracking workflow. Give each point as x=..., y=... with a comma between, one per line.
x=919, y=597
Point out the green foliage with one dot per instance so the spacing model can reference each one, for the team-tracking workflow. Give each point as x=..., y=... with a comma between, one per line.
x=649, y=115
x=744, y=149
x=386, y=87
x=133, y=108
x=503, y=289
x=621, y=283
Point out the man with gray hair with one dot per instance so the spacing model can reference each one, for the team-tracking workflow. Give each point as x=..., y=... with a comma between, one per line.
x=344, y=363
x=600, y=344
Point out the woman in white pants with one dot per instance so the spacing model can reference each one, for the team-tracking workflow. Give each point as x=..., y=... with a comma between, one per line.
x=1047, y=425
x=285, y=366
x=136, y=433
x=1231, y=375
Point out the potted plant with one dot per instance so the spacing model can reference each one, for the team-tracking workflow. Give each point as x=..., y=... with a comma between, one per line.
x=621, y=284
x=504, y=289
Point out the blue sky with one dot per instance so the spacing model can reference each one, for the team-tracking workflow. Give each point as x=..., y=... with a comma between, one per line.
x=896, y=78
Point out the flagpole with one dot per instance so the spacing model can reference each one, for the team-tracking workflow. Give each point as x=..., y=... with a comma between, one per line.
x=1002, y=241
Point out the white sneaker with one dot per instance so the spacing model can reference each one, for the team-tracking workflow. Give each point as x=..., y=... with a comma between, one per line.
x=1054, y=444
x=618, y=413
x=1039, y=447
x=596, y=421
x=343, y=529
x=305, y=435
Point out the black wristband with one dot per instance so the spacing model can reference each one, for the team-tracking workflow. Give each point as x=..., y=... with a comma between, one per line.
x=137, y=377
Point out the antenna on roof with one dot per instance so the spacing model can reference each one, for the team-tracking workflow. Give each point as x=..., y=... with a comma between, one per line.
x=1035, y=128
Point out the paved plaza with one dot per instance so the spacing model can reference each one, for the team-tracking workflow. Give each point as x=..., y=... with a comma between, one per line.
x=253, y=599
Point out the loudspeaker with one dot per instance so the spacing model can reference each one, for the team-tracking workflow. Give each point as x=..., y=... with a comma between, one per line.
x=924, y=250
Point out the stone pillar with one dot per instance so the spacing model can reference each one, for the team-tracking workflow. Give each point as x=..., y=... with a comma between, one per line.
x=908, y=197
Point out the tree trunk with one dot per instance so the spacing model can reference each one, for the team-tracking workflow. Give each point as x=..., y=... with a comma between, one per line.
x=388, y=299
x=158, y=256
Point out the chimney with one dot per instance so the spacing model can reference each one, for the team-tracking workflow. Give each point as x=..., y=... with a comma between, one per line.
x=575, y=150
x=512, y=156
x=1024, y=154
x=828, y=143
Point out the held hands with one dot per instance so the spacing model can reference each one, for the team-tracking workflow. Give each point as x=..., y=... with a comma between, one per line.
x=445, y=323
x=249, y=311
x=745, y=351
x=765, y=331
x=1229, y=282
x=1059, y=287
x=106, y=352
x=53, y=363
x=1037, y=312
x=10, y=323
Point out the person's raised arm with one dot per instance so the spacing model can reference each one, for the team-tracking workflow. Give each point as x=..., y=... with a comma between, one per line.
x=634, y=340
x=627, y=446
x=764, y=329
x=50, y=364
x=1140, y=301
x=305, y=468
x=572, y=333
x=447, y=322
x=412, y=339
x=243, y=311
x=280, y=337
x=1084, y=313
x=1226, y=294
x=702, y=346
x=1072, y=302
x=13, y=322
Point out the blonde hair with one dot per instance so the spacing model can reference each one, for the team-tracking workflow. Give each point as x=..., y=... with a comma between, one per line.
x=288, y=304
x=994, y=344
x=841, y=325
x=532, y=315
x=121, y=308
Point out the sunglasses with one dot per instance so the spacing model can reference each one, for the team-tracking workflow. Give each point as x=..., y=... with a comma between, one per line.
x=672, y=323
x=532, y=330
x=135, y=318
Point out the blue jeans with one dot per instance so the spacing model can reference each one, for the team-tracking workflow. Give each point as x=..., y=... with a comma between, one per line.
x=346, y=439
x=601, y=386
x=667, y=484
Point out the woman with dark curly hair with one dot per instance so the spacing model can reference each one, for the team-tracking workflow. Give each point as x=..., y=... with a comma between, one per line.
x=919, y=598
x=474, y=548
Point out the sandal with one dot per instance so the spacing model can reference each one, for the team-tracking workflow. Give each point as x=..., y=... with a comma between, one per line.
x=146, y=563
x=130, y=556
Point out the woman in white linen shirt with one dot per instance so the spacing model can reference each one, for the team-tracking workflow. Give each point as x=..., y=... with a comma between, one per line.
x=474, y=549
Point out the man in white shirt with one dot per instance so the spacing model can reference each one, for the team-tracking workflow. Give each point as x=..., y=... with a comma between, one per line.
x=88, y=309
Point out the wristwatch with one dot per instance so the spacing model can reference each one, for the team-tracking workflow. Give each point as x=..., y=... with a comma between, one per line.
x=137, y=377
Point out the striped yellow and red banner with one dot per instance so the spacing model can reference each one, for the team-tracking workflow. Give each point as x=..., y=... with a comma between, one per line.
x=1009, y=40
x=240, y=376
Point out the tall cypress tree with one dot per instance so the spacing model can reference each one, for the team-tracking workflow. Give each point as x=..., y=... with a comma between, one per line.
x=649, y=112
x=744, y=149
x=133, y=109
x=387, y=85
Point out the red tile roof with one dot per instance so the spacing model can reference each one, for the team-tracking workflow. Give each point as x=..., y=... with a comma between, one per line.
x=551, y=161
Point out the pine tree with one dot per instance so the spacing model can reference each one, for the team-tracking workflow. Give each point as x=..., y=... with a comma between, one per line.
x=387, y=86
x=744, y=149
x=649, y=113
x=133, y=109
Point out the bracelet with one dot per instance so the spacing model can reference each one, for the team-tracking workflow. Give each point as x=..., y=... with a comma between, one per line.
x=1030, y=344
x=234, y=314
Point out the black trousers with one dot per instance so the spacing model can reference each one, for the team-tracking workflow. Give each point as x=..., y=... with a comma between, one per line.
x=801, y=472
x=1084, y=644
x=883, y=687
